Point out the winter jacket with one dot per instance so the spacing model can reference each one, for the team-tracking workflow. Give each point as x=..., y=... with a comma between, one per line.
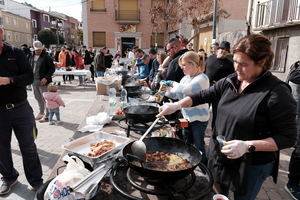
x=264, y=109
x=53, y=100
x=45, y=64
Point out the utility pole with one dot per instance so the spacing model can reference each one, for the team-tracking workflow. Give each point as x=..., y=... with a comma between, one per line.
x=214, y=36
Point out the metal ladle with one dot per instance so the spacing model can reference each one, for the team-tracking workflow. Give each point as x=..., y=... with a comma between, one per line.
x=138, y=147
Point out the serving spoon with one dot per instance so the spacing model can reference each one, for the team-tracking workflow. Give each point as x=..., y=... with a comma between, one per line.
x=138, y=147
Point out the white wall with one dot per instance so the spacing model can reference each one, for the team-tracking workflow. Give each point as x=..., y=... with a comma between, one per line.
x=85, y=24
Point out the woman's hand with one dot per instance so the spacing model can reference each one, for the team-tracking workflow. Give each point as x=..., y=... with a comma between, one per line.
x=235, y=148
x=168, y=108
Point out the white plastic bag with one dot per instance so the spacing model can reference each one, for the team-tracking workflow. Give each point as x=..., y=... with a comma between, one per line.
x=101, y=118
x=59, y=187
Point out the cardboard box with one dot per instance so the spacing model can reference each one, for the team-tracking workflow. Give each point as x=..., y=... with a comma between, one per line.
x=101, y=88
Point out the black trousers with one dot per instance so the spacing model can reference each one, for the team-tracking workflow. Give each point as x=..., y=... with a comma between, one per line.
x=22, y=122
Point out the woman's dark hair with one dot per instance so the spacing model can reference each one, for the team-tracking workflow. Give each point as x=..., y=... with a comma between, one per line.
x=258, y=48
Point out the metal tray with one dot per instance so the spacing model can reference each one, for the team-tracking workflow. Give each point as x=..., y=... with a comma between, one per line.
x=81, y=146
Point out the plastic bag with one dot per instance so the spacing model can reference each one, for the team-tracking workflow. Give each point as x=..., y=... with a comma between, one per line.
x=101, y=118
x=59, y=188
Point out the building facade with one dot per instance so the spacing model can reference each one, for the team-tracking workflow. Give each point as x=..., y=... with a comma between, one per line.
x=280, y=22
x=17, y=29
x=119, y=24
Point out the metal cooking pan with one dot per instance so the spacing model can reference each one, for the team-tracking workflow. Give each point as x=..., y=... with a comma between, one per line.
x=133, y=87
x=140, y=113
x=167, y=145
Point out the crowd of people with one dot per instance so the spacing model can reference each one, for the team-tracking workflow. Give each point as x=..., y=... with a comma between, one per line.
x=253, y=111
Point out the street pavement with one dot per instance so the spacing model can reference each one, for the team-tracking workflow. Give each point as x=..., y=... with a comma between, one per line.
x=78, y=101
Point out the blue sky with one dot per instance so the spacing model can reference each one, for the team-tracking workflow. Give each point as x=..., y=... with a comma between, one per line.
x=68, y=7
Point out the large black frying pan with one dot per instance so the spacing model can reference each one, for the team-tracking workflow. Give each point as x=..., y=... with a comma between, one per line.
x=140, y=113
x=167, y=145
x=132, y=87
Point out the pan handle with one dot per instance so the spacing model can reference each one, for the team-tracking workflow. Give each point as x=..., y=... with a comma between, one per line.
x=133, y=157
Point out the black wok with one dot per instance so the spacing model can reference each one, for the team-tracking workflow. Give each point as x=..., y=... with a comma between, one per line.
x=140, y=113
x=167, y=145
x=132, y=87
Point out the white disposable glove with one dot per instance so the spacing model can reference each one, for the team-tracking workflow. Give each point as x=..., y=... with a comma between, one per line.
x=235, y=148
x=168, y=108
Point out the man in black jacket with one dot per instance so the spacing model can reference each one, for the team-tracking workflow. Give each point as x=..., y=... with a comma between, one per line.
x=16, y=114
x=174, y=50
x=43, y=69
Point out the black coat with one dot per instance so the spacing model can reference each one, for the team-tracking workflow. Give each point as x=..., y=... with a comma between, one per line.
x=46, y=66
x=264, y=109
x=174, y=72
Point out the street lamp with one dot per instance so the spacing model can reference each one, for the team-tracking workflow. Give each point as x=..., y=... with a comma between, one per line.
x=58, y=24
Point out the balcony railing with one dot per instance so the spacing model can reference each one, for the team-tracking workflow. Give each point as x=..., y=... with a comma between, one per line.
x=277, y=12
x=127, y=16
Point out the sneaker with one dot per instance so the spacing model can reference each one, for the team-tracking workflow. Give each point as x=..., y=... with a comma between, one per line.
x=294, y=191
x=44, y=119
x=52, y=123
x=6, y=186
x=39, y=116
x=58, y=122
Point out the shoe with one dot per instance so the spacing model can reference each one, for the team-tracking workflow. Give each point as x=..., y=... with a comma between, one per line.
x=44, y=119
x=52, y=123
x=34, y=188
x=58, y=122
x=39, y=116
x=294, y=191
x=6, y=186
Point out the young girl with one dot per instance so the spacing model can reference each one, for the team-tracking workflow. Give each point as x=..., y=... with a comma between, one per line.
x=53, y=102
x=194, y=80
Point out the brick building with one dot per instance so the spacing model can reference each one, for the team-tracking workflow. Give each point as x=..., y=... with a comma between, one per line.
x=119, y=24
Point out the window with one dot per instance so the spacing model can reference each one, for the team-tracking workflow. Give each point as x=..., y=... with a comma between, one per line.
x=98, y=5
x=159, y=40
x=281, y=50
x=7, y=19
x=46, y=18
x=27, y=25
x=14, y=21
x=35, y=37
x=17, y=37
x=157, y=3
x=34, y=23
x=2, y=2
x=8, y=36
x=99, y=39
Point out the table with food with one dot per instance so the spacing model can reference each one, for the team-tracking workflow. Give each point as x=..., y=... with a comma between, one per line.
x=172, y=169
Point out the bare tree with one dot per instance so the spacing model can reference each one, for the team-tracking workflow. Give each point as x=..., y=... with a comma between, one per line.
x=172, y=14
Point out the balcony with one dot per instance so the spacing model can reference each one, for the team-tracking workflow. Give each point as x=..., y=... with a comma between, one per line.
x=277, y=13
x=127, y=16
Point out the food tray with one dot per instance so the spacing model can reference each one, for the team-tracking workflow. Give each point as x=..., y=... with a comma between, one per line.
x=81, y=146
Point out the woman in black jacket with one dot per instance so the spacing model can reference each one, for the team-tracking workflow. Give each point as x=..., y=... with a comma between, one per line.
x=256, y=115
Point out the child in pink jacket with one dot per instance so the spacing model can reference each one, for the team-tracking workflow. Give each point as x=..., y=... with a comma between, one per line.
x=53, y=102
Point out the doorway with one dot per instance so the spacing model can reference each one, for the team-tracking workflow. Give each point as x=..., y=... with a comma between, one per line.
x=127, y=43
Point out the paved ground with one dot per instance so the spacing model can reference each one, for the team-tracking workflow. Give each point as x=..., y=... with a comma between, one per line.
x=78, y=101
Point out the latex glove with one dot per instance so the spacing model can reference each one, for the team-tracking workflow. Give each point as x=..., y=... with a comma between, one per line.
x=168, y=108
x=234, y=149
x=168, y=82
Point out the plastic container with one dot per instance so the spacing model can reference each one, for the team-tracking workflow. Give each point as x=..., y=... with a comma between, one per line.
x=123, y=98
x=220, y=197
x=112, y=100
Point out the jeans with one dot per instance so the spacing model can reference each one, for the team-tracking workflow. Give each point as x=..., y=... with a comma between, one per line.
x=21, y=121
x=80, y=79
x=256, y=176
x=294, y=172
x=54, y=111
x=38, y=91
x=99, y=73
x=194, y=134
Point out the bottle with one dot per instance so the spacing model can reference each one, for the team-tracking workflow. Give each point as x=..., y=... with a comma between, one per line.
x=112, y=100
x=123, y=97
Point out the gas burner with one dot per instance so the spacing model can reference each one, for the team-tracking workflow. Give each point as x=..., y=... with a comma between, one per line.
x=196, y=186
x=138, y=127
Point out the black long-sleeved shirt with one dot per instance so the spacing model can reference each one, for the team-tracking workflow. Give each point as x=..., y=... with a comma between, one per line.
x=13, y=63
